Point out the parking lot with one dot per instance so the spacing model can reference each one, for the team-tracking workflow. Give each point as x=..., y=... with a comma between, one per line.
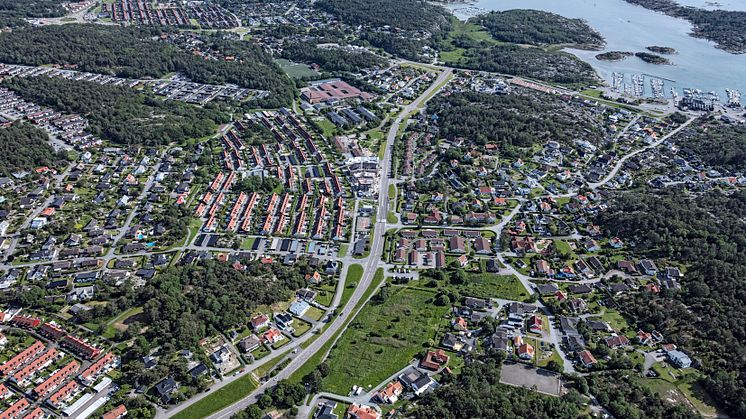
x=521, y=375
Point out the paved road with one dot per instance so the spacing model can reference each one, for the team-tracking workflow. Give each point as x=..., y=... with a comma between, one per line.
x=370, y=266
x=621, y=161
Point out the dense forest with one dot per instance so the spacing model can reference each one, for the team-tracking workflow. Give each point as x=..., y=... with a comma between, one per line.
x=332, y=59
x=13, y=12
x=626, y=397
x=477, y=393
x=537, y=27
x=558, y=67
x=185, y=304
x=717, y=145
x=706, y=317
x=23, y=147
x=404, y=14
x=119, y=114
x=136, y=53
x=512, y=121
x=724, y=27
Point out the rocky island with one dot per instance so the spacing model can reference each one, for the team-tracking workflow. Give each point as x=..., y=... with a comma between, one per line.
x=613, y=55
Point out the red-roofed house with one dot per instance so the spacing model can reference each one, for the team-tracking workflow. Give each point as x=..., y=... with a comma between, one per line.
x=116, y=413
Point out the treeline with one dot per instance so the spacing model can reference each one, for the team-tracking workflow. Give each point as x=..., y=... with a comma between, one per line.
x=707, y=316
x=558, y=67
x=512, y=121
x=136, y=52
x=332, y=59
x=24, y=147
x=536, y=27
x=717, y=145
x=185, y=304
x=13, y=12
x=477, y=393
x=403, y=14
x=119, y=114
x=626, y=397
x=724, y=27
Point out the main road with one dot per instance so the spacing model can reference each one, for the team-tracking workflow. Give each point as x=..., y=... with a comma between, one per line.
x=370, y=266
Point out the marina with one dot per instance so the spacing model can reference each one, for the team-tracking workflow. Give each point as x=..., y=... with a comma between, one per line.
x=697, y=65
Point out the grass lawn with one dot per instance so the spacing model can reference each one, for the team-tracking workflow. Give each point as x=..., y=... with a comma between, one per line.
x=264, y=369
x=383, y=339
x=280, y=344
x=327, y=127
x=391, y=218
x=489, y=285
x=260, y=352
x=221, y=398
x=392, y=191
x=247, y=243
x=315, y=313
x=615, y=320
x=343, y=250
x=296, y=70
x=300, y=327
x=194, y=225
x=318, y=357
x=325, y=294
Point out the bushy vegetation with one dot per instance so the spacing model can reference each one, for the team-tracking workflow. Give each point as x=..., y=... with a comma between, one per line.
x=717, y=145
x=23, y=147
x=119, y=114
x=137, y=53
x=477, y=393
x=558, y=67
x=536, y=27
x=13, y=12
x=184, y=304
x=332, y=59
x=626, y=397
x=706, y=317
x=403, y=14
x=512, y=121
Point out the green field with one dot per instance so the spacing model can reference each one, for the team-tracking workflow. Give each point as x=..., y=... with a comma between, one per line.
x=296, y=70
x=221, y=398
x=383, y=339
x=313, y=361
x=489, y=285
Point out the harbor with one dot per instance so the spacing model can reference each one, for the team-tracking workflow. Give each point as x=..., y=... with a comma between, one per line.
x=698, y=65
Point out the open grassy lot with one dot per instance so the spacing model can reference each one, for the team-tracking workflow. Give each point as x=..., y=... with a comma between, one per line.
x=383, y=339
x=221, y=398
x=296, y=70
x=489, y=285
x=313, y=361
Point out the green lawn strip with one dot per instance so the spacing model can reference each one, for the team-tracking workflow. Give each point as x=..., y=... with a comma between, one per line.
x=194, y=225
x=264, y=369
x=343, y=250
x=391, y=218
x=221, y=398
x=383, y=338
x=247, y=243
x=318, y=357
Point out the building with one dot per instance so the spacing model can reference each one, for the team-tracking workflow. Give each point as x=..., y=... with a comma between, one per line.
x=116, y=413
x=326, y=411
x=587, y=359
x=390, y=394
x=433, y=360
x=525, y=351
x=358, y=411
x=80, y=347
x=95, y=370
x=679, y=359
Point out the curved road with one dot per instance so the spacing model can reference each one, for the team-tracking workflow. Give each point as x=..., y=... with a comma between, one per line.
x=370, y=266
